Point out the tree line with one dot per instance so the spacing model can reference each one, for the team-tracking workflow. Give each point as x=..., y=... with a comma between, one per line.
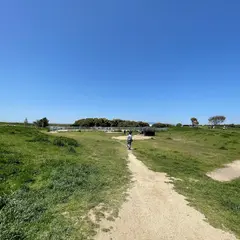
x=43, y=122
x=104, y=122
x=214, y=121
x=161, y=125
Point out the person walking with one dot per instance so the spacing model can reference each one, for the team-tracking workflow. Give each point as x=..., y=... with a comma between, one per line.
x=129, y=140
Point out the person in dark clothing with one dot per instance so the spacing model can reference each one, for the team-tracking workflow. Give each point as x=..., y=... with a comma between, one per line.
x=129, y=140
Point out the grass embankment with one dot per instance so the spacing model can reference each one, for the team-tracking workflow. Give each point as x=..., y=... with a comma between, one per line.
x=188, y=154
x=48, y=184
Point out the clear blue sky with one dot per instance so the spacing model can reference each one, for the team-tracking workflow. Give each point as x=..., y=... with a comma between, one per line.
x=152, y=60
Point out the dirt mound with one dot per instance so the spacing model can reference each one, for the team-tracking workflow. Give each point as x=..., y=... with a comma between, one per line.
x=229, y=172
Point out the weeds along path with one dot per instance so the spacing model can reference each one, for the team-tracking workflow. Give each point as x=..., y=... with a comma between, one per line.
x=155, y=211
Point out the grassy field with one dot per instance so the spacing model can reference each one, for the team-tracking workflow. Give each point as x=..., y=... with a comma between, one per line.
x=186, y=155
x=49, y=184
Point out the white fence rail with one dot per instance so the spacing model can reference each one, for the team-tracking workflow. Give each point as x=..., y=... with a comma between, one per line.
x=103, y=129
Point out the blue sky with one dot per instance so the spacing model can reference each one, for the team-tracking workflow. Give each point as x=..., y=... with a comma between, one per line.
x=149, y=60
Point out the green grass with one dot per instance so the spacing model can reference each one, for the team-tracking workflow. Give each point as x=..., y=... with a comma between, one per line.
x=48, y=184
x=188, y=154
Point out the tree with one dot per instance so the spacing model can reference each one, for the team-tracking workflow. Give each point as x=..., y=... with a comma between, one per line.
x=44, y=122
x=179, y=125
x=216, y=120
x=25, y=122
x=194, y=122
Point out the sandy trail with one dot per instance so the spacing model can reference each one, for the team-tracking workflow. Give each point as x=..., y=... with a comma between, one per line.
x=135, y=137
x=154, y=211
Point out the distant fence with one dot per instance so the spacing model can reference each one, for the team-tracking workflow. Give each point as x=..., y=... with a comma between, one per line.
x=103, y=129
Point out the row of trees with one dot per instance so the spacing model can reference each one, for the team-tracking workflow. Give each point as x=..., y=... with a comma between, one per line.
x=44, y=122
x=103, y=122
x=215, y=120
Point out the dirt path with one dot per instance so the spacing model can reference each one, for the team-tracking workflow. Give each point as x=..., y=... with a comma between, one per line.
x=154, y=211
x=135, y=137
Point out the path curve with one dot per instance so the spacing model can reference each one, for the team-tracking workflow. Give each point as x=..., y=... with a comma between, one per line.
x=155, y=211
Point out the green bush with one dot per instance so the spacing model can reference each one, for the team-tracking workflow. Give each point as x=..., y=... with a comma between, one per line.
x=223, y=148
x=40, y=138
x=179, y=125
x=149, y=131
x=59, y=142
x=64, y=141
x=71, y=149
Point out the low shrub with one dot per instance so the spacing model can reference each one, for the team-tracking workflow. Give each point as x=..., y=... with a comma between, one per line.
x=71, y=149
x=59, y=142
x=234, y=141
x=65, y=141
x=226, y=135
x=149, y=131
x=40, y=138
x=223, y=148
